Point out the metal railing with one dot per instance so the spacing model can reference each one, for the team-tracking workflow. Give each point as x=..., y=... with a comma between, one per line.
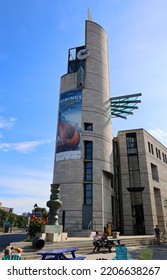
x=74, y=227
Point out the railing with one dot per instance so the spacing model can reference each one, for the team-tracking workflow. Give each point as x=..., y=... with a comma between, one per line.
x=90, y=226
x=74, y=227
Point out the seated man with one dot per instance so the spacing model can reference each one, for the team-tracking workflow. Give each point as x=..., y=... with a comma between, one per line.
x=8, y=251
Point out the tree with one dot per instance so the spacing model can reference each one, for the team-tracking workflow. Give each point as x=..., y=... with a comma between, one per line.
x=14, y=219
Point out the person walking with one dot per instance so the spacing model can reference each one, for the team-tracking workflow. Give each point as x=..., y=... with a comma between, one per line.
x=157, y=234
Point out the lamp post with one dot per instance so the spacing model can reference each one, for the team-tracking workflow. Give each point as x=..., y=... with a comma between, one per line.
x=35, y=207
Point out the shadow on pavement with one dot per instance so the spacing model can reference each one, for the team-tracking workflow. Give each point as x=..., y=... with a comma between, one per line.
x=6, y=239
x=159, y=252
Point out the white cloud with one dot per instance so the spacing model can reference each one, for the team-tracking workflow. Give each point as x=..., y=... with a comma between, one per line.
x=20, y=206
x=21, y=188
x=160, y=135
x=7, y=123
x=23, y=147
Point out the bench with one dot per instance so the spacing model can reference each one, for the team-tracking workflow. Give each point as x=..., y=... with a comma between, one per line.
x=106, y=243
x=60, y=254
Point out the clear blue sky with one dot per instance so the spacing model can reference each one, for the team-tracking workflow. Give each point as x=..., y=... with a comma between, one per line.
x=35, y=36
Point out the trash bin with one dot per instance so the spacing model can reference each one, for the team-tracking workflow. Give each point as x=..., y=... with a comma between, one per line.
x=109, y=229
x=38, y=243
x=6, y=229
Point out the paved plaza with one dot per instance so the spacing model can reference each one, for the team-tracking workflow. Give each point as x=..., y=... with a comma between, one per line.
x=17, y=239
x=159, y=253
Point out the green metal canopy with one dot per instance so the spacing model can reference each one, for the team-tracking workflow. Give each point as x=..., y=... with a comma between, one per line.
x=122, y=106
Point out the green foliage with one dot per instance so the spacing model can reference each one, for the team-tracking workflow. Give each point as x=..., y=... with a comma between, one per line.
x=35, y=225
x=14, y=219
x=21, y=221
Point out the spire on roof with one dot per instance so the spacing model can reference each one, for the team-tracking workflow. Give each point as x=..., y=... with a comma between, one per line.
x=89, y=15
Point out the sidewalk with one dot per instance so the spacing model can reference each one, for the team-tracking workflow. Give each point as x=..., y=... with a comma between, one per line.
x=159, y=253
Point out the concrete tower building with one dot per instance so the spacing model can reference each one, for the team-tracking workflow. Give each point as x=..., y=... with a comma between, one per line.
x=83, y=163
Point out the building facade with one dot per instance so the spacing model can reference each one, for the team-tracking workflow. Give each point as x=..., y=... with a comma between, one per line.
x=83, y=163
x=120, y=181
x=140, y=182
x=6, y=209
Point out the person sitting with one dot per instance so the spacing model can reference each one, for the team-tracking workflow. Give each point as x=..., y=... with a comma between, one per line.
x=8, y=251
x=104, y=237
x=96, y=241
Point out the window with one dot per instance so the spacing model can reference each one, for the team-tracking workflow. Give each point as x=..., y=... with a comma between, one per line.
x=131, y=143
x=87, y=194
x=152, y=149
x=133, y=161
x=158, y=153
x=88, y=172
x=72, y=67
x=154, y=171
x=88, y=150
x=149, y=147
x=88, y=126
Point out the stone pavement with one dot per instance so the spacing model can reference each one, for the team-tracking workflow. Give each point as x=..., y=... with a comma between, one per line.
x=159, y=253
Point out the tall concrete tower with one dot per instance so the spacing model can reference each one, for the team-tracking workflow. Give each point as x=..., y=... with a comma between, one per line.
x=83, y=163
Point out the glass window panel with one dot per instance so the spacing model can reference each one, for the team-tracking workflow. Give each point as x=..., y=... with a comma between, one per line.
x=89, y=150
x=88, y=171
x=88, y=126
x=88, y=164
x=88, y=144
x=88, y=187
x=88, y=156
x=88, y=177
x=88, y=201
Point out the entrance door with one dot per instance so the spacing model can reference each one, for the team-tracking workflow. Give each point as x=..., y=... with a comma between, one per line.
x=86, y=216
x=138, y=226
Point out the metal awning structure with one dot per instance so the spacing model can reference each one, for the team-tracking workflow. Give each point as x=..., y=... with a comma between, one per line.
x=122, y=106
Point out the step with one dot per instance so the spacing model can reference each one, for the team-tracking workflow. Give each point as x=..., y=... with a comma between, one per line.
x=85, y=245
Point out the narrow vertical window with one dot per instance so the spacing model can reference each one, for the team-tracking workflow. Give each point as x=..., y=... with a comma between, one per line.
x=88, y=172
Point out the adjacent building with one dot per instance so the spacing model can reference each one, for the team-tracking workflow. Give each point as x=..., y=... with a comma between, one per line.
x=140, y=182
x=6, y=209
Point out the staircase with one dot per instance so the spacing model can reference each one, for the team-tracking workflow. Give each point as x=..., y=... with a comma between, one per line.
x=84, y=244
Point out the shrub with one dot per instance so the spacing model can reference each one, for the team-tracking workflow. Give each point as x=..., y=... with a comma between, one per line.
x=35, y=225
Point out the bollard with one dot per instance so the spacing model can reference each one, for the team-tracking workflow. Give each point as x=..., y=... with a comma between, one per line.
x=38, y=243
